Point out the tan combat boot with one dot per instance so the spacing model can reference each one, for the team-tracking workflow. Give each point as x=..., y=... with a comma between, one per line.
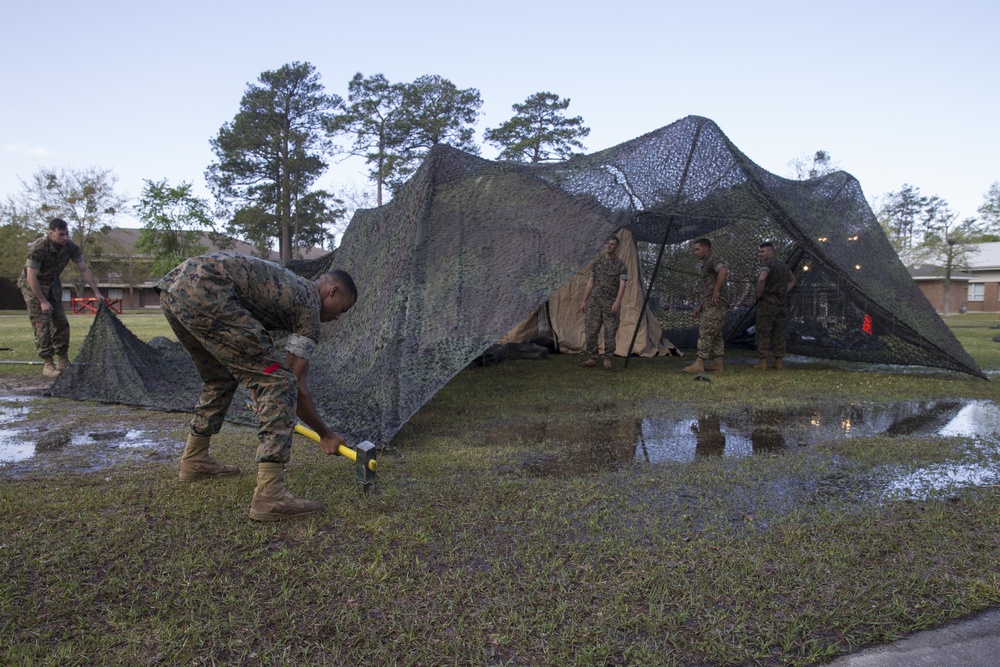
x=762, y=365
x=49, y=370
x=62, y=362
x=272, y=501
x=716, y=366
x=697, y=367
x=777, y=364
x=590, y=362
x=607, y=364
x=197, y=464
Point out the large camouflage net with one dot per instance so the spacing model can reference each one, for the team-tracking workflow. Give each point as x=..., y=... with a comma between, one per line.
x=469, y=247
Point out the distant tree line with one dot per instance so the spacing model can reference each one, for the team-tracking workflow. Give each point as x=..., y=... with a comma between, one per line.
x=269, y=157
x=924, y=230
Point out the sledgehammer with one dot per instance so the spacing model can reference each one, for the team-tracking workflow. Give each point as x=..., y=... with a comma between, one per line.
x=363, y=456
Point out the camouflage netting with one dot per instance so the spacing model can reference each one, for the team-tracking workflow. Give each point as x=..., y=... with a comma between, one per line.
x=469, y=247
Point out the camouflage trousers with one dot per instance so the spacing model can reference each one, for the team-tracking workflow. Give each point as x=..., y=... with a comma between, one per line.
x=711, y=343
x=600, y=314
x=230, y=348
x=770, y=329
x=51, y=329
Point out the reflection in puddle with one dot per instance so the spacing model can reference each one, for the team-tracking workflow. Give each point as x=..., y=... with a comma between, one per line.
x=764, y=431
x=27, y=447
x=11, y=450
x=13, y=408
x=129, y=439
x=570, y=444
x=919, y=484
x=12, y=447
x=975, y=417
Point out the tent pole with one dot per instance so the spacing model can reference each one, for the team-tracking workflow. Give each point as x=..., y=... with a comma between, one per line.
x=548, y=319
x=652, y=281
x=663, y=244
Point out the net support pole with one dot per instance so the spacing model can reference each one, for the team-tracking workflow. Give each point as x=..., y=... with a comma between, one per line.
x=645, y=299
x=666, y=236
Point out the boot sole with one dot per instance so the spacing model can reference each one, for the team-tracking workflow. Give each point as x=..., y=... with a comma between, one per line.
x=268, y=517
x=196, y=476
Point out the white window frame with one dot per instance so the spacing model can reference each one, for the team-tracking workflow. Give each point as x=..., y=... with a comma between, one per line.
x=977, y=291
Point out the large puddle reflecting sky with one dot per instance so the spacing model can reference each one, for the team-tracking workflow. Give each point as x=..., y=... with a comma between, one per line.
x=607, y=440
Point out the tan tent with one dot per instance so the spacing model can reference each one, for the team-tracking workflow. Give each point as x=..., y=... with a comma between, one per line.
x=561, y=314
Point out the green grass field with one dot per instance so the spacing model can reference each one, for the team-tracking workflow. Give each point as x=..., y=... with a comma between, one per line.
x=465, y=556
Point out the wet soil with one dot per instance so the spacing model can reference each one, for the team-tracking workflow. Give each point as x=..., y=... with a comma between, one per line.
x=40, y=434
x=43, y=434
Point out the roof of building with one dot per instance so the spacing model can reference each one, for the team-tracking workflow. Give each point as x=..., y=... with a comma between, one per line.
x=985, y=258
x=128, y=237
x=929, y=272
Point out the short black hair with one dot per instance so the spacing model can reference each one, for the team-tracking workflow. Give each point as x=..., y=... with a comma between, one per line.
x=705, y=242
x=613, y=238
x=344, y=279
x=766, y=244
x=58, y=223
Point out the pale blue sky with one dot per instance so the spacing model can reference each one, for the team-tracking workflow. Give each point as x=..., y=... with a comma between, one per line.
x=896, y=92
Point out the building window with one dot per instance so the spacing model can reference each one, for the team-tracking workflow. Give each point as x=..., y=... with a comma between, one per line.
x=976, y=291
x=114, y=293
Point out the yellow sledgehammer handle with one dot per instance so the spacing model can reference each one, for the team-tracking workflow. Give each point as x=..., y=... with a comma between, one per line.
x=342, y=450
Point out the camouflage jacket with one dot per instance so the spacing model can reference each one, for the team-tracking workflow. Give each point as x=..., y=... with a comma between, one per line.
x=50, y=259
x=706, y=282
x=607, y=272
x=274, y=296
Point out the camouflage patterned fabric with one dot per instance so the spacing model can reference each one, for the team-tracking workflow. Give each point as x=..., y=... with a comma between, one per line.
x=770, y=329
x=51, y=329
x=50, y=259
x=711, y=342
x=607, y=272
x=222, y=307
x=706, y=281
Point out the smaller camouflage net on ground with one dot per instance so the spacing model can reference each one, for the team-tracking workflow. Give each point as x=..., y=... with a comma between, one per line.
x=114, y=366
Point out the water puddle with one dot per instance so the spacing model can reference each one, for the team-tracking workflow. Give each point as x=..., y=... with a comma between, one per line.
x=46, y=442
x=922, y=483
x=761, y=431
x=606, y=440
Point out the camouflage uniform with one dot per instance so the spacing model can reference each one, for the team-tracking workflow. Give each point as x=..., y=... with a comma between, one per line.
x=770, y=325
x=606, y=272
x=711, y=343
x=51, y=329
x=222, y=307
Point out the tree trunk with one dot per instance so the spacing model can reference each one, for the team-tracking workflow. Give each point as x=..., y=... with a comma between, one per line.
x=947, y=285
